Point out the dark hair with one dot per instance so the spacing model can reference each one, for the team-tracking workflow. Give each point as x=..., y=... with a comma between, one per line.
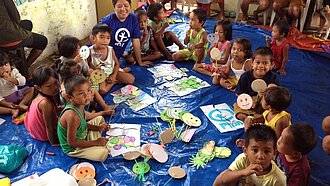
x=247, y=46
x=264, y=51
x=226, y=27
x=73, y=81
x=201, y=14
x=114, y=2
x=278, y=98
x=260, y=133
x=140, y=13
x=103, y=28
x=4, y=58
x=67, y=46
x=304, y=137
x=153, y=10
x=283, y=26
x=65, y=69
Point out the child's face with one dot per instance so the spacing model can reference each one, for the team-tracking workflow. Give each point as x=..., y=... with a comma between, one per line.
x=238, y=52
x=260, y=152
x=220, y=32
x=276, y=33
x=82, y=94
x=261, y=65
x=102, y=39
x=143, y=22
x=161, y=15
x=6, y=69
x=284, y=143
x=194, y=21
x=50, y=88
x=122, y=9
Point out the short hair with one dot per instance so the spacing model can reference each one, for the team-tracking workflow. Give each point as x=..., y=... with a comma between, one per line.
x=304, y=137
x=140, y=13
x=41, y=75
x=67, y=46
x=247, y=46
x=227, y=28
x=65, y=69
x=114, y=2
x=72, y=82
x=260, y=133
x=103, y=28
x=283, y=26
x=277, y=97
x=201, y=14
x=263, y=51
x=153, y=10
x=4, y=58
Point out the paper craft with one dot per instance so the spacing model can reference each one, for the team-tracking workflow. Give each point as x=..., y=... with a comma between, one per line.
x=258, y=85
x=212, y=38
x=222, y=116
x=19, y=119
x=133, y=97
x=187, y=135
x=2, y=121
x=188, y=85
x=215, y=54
x=244, y=101
x=176, y=172
x=84, y=52
x=131, y=155
x=166, y=70
x=123, y=138
x=97, y=76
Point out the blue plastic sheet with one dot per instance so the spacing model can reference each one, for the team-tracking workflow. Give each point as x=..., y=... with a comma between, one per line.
x=307, y=79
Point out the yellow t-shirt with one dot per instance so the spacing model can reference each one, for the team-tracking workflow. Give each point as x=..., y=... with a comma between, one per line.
x=272, y=122
x=274, y=178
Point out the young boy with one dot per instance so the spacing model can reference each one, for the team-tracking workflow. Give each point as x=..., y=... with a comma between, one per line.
x=255, y=166
x=156, y=22
x=295, y=143
x=103, y=56
x=196, y=36
x=77, y=137
x=261, y=69
x=280, y=45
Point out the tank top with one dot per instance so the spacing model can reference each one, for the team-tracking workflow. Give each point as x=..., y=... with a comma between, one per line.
x=62, y=132
x=107, y=65
x=222, y=48
x=278, y=52
x=197, y=39
x=238, y=72
x=272, y=122
x=156, y=25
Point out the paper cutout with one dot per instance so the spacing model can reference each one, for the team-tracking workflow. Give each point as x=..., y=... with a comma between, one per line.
x=131, y=155
x=135, y=98
x=187, y=135
x=158, y=153
x=212, y=38
x=176, y=172
x=97, y=76
x=191, y=120
x=166, y=136
x=123, y=138
x=82, y=171
x=258, y=85
x=19, y=119
x=244, y=101
x=141, y=165
x=169, y=71
x=222, y=116
x=215, y=54
x=187, y=85
x=84, y=52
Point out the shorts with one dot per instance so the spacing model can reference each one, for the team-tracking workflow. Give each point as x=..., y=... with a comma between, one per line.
x=17, y=96
x=232, y=80
x=211, y=67
x=191, y=54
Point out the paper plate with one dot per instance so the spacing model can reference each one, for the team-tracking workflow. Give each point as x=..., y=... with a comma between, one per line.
x=141, y=165
x=258, y=85
x=173, y=113
x=244, y=101
x=165, y=117
x=222, y=152
x=84, y=52
x=144, y=150
x=82, y=170
x=97, y=76
x=166, y=136
x=215, y=54
x=177, y=172
x=212, y=38
x=158, y=153
x=131, y=155
x=191, y=120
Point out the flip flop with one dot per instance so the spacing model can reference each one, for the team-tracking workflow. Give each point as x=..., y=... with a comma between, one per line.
x=232, y=14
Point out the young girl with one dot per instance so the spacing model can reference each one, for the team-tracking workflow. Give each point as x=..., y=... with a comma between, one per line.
x=163, y=39
x=240, y=63
x=41, y=117
x=149, y=49
x=224, y=30
x=10, y=78
x=280, y=45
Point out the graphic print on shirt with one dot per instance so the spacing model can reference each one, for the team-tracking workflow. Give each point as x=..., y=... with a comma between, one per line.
x=122, y=35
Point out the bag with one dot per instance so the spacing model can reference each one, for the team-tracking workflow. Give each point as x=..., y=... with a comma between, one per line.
x=11, y=157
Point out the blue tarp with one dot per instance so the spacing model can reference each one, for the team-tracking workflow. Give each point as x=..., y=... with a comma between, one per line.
x=307, y=79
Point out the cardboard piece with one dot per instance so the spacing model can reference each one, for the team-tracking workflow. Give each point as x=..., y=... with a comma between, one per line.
x=97, y=76
x=176, y=172
x=215, y=54
x=166, y=136
x=131, y=155
x=258, y=85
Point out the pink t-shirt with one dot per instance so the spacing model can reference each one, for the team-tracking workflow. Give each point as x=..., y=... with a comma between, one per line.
x=34, y=122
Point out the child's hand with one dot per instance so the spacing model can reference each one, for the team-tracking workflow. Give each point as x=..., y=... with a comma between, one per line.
x=191, y=47
x=252, y=169
x=188, y=33
x=146, y=63
x=111, y=79
x=77, y=59
x=248, y=121
x=102, y=141
x=282, y=72
x=5, y=75
x=104, y=127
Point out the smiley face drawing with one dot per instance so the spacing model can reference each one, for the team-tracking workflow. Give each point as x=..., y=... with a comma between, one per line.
x=84, y=52
x=82, y=171
x=97, y=76
x=244, y=101
x=212, y=38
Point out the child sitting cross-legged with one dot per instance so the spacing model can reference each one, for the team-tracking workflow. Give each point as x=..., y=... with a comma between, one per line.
x=255, y=166
x=296, y=141
x=196, y=38
x=77, y=137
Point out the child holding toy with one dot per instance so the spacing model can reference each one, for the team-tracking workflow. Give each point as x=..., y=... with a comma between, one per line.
x=224, y=30
x=196, y=36
x=41, y=117
x=10, y=95
x=158, y=24
x=280, y=45
x=103, y=56
x=77, y=137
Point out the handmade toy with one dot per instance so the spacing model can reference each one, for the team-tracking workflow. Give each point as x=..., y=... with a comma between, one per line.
x=244, y=101
x=176, y=172
x=216, y=54
x=131, y=155
x=84, y=52
x=212, y=38
x=166, y=136
x=141, y=168
x=97, y=76
x=155, y=151
x=19, y=119
x=84, y=173
x=258, y=85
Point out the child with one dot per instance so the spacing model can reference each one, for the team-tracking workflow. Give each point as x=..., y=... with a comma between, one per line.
x=41, y=117
x=78, y=138
x=261, y=69
x=295, y=6
x=255, y=166
x=240, y=63
x=69, y=49
x=71, y=68
x=163, y=39
x=100, y=38
x=274, y=101
x=224, y=30
x=280, y=45
x=326, y=139
x=196, y=36
x=205, y=5
x=10, y=96
x=149, y=49
x=293, y=146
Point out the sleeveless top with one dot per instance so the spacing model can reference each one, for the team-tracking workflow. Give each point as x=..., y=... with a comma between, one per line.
x=272, y=122
x=107, y=65
x=62, y=132
x=238, y=72
x=156, y=25
x=197, y=39
x=222, y=48
x=278, y=52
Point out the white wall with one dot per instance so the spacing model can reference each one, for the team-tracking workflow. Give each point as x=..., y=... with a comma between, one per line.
x=55, y=18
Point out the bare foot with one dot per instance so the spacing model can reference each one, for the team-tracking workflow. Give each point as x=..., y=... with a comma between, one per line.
x=127, y=69
x=14, y=113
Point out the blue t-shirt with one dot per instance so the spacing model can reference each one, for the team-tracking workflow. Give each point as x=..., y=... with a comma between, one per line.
x=122, y=32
